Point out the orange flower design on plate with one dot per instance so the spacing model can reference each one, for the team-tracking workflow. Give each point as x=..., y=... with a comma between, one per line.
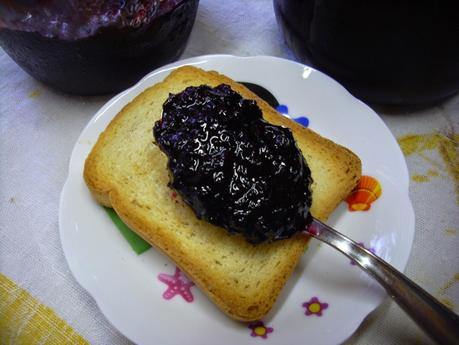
x=364, y=194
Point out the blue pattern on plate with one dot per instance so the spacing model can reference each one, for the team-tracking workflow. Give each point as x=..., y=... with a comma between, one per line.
x=302, y=120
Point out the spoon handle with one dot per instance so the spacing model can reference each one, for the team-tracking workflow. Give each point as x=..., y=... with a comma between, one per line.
x=432, y=316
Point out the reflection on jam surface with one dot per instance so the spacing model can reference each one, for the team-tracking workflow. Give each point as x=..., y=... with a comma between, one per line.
x=74, y=19
x=233, y=168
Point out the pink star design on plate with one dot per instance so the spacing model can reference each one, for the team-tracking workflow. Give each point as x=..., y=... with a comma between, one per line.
x=178, y=284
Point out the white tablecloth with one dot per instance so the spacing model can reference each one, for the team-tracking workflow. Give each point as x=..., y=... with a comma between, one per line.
x=39, y=126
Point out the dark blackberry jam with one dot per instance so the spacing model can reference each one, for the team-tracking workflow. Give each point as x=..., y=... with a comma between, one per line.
x=391, y=52
x=94, y=47
x=232, y=167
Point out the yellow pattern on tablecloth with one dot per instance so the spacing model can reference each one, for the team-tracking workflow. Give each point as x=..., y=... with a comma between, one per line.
x=24, y=320
x=448, y=148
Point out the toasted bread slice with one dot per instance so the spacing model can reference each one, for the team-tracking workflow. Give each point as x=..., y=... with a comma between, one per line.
x=126, y=171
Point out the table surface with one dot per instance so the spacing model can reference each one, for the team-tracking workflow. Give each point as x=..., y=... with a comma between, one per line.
x=39, y=127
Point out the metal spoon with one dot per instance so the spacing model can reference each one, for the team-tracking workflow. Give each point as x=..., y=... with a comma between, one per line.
x=433, y=317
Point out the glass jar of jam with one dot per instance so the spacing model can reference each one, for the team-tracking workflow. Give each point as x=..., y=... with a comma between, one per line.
x=396, y=52
x=94, y=47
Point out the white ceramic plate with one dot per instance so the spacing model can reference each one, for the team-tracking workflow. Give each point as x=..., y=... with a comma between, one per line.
x=126, y=286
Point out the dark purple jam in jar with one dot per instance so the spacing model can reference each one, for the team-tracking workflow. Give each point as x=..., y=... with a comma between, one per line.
x=394, y=52
x=94, y=47
x=233, y=168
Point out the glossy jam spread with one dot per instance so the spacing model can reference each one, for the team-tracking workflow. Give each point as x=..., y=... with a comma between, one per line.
x=233, y=168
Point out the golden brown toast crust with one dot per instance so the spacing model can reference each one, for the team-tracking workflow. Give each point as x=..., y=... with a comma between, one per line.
x=126, y=171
